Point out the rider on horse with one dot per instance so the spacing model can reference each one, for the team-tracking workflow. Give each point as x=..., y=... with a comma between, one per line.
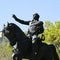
x=35, y=28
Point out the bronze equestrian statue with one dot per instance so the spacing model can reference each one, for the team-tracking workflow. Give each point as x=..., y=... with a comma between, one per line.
x=29, y=46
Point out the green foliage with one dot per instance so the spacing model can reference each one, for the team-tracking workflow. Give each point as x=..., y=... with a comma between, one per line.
x=5, y=50
x=52, y=34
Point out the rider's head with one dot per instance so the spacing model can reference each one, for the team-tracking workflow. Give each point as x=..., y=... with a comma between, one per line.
x=36, y=16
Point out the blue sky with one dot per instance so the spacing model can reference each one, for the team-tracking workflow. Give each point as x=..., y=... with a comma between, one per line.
x=24, y=9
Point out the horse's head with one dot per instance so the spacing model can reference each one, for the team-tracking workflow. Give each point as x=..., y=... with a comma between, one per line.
x=9, y=32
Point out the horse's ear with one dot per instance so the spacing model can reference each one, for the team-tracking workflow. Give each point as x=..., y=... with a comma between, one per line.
x=8, y=23
x=4, y=25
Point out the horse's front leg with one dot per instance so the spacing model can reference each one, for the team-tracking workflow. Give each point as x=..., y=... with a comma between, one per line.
x=16, y=57
x=19, y=58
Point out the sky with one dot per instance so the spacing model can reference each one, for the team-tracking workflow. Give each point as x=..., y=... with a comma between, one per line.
x=24, y=9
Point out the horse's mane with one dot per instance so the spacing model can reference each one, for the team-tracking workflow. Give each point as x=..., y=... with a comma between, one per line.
x=15, y=26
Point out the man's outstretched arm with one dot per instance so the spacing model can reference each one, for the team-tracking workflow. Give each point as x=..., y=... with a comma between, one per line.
x=20, y=21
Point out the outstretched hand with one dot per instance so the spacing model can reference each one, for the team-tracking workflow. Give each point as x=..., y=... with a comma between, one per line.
x=14, y=16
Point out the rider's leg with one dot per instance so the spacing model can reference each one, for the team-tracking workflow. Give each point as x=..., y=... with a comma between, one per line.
x=34, y=47
x=34, y=38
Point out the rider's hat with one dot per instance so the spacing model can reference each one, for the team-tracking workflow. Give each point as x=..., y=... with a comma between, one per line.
x=36, y=15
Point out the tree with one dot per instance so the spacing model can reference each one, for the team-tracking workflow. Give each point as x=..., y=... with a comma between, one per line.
x=52, y=34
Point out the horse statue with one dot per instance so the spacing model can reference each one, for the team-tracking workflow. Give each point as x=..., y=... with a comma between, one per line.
x=22, y=45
